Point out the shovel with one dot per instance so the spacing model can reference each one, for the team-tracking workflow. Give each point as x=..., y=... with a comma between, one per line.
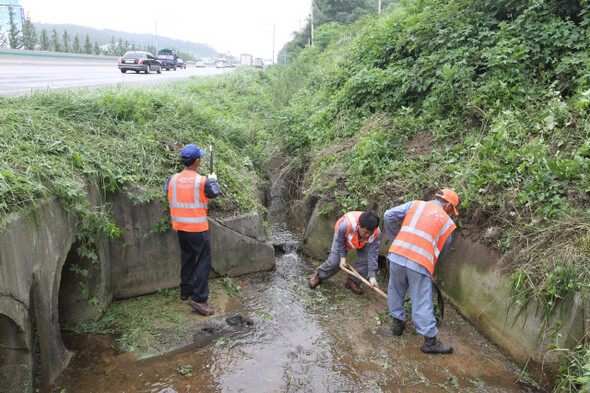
x=351, y=270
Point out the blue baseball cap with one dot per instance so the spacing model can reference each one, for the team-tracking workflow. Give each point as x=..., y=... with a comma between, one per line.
x=191, y=152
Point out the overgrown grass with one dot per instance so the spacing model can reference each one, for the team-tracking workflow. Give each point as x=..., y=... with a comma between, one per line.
x=55, y=144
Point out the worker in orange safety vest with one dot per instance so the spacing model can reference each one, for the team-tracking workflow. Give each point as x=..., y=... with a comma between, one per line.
x=424, y=236
x=188, y=198
x=355, y=230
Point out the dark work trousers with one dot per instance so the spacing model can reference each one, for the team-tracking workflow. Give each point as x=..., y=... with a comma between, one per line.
x=195, y=258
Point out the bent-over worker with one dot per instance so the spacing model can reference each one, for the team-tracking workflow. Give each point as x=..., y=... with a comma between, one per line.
x=358, y=230
x=425, y=235
x=188, y=197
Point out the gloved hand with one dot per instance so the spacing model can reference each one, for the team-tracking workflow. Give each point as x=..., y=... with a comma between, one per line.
x=373, y=282
x=213, y=176
x=343, y=263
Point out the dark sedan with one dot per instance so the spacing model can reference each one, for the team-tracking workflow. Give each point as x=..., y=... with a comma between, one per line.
x=139, y=61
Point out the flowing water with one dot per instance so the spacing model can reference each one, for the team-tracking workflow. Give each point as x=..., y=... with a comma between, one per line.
x=289, y=338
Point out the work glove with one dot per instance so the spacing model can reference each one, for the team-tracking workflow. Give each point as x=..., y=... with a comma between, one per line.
x=343, y=264
x=373, y=282
x=213, y=176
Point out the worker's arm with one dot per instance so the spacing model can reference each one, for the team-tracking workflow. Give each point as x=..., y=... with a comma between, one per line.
x=373, y=254
x=393, y=218
x=340, y=240
x=211, y=187
x=446, y=246
x=165, y=186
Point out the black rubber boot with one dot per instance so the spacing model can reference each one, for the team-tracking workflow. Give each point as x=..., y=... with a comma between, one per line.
x=432, y=345
x=398, y=327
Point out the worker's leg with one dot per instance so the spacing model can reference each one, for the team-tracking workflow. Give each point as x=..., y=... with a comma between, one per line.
x=396, y=291
x=196, y=265
x=203, y=269
x=361, y=265
x=332, y=265
x=422, y=306
x=188, y=259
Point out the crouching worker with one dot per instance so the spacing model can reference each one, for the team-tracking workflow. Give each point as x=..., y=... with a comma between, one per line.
x=425, y=235
x=358, y=230
x=188, y=197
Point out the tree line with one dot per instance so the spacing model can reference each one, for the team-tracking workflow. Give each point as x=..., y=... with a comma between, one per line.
x=28, y=39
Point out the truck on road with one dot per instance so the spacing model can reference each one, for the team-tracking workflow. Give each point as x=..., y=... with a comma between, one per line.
x=246, y=60
x=168, y=59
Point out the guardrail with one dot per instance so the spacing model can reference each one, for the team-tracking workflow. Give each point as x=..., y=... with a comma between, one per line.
x=16, y=56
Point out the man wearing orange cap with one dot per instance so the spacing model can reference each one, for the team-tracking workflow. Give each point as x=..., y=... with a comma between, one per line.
x=425, y=235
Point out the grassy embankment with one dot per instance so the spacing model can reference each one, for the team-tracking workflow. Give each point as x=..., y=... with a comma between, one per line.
x=488, y=98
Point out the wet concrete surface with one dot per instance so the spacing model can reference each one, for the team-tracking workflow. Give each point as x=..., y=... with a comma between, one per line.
x=284, y=337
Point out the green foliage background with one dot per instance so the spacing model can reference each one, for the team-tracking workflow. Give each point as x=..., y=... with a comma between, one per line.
x=490, y=98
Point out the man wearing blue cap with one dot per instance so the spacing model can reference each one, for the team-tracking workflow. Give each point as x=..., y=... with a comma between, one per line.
x=188, y=197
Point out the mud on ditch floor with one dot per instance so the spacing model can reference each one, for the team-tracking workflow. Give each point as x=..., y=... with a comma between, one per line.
x=288, y=338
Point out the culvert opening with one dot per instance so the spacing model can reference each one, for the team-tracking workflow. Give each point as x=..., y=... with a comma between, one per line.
x=16, y=368
x=77, y=285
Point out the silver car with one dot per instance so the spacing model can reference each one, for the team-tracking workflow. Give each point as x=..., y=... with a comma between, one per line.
x=139, y=61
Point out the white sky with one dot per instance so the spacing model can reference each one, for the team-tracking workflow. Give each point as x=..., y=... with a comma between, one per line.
x=228, y=26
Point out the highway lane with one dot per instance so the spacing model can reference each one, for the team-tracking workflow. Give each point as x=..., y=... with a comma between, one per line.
x=22, y=74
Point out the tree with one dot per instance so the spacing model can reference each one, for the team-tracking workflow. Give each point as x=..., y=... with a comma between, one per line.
x=112, y=50
x=76, y=47
x=87, y=45
x=66, y=40
x=55, y=45
x=29, y=39
x=44, y=41
x=3, y=41
x=14, y=41
x=96, y=48
x=122, y=47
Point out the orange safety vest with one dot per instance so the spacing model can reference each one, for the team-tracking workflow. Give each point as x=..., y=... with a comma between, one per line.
x=188, y=203
x=352, y=236
x=423, y=234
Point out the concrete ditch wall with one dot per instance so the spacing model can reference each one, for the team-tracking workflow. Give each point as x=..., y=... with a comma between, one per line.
x=471, y=278
x=40, y=293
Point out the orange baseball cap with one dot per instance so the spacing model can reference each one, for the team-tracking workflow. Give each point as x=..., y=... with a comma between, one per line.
x=449, y=196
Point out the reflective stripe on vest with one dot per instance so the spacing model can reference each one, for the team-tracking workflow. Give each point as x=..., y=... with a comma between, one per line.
x=187, y=201
x=351, y=233
x=424, y=232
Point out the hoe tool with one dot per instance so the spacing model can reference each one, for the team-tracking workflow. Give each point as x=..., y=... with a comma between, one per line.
x=352, y=271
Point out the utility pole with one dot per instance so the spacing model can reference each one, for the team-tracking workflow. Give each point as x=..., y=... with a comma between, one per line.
x=379, y=11
x=311, y=37
x=156, y=28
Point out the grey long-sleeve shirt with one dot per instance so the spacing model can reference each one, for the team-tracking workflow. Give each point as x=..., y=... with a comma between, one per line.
x=373, y=248
x=392, y=220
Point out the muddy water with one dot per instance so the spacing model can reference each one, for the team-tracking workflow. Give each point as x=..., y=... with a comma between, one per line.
x=294, y=339
x=290, y=338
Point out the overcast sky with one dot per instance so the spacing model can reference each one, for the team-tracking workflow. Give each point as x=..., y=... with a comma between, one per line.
x=228, y=26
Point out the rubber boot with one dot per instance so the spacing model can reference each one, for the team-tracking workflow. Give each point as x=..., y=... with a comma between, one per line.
x=432, y=345
x=398, y=327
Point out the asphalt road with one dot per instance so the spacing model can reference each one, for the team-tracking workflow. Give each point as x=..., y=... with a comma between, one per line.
x=22, y=74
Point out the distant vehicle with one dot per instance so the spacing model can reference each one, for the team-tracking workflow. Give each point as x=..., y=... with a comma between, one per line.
x=168, y=59
x=258, y=62
x=246, y=59
x=200, y=64
x=139, y=61
x=220, y=64
x=180, y=63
